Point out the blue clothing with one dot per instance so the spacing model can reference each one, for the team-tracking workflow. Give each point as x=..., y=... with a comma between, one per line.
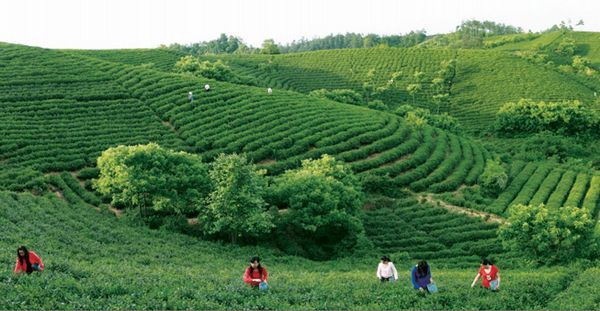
x=420, y=282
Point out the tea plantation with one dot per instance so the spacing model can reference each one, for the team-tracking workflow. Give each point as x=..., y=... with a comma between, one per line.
x=60, y=109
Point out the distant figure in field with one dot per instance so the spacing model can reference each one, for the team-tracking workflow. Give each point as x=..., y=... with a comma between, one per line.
x=28, y=261
x=386, y=271
x=269, y=91
x=256, y=275
x=421, y=277
x=191, y=97
x=206, y=87
x=490, y=277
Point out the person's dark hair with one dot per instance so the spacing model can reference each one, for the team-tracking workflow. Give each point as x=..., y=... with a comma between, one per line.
x=385, y=258
x=486, y=262
x=257, y=260
x=422, y=268
x=24, y=260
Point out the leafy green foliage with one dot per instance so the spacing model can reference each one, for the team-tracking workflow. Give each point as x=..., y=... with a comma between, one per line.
x=236, y=208
x=566, y=47
x=223, y=44
x=149, y=177
x=320, y=205
x=269, y=47
x=566, y=118
x=377, y=105
x=340, y=95
x=103, y=274
x=550, y=235
x=443, y=121
x=494, y=178
x=213, y=70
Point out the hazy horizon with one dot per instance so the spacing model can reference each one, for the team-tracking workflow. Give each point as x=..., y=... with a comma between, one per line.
x=105, y=24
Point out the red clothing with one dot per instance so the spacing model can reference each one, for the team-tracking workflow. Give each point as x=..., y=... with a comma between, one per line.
x=255, y=275
x=486, y=278
x=33, y=259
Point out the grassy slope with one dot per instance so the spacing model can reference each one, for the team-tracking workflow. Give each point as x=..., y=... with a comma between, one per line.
x=164, y=96
x=479, y=89
x=148, y=105
x=94, y=261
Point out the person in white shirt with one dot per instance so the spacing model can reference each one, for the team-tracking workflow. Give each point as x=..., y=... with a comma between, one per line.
x=269, y=91
x=386, y=271
x=206, y=87
x=191, y=97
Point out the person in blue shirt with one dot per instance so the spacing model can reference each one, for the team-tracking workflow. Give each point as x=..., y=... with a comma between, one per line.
x=421, y=276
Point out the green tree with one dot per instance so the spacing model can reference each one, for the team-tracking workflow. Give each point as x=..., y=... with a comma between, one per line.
x=320, y=205
x=269, y=47
x=420, y=116
x=236, y=207
x=217, y=70
x=549, y=235
x=566, y=47
x=187, y=64
x=153, y=179
x=494, y=178
x=565, y=118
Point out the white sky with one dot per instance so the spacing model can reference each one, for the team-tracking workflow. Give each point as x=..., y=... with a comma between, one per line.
x=103, y=24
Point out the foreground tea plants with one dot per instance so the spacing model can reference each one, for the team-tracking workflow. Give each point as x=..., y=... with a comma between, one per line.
x=95, y=261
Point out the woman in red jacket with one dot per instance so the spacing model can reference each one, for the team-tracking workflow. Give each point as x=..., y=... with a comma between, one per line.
x=256, y=275
x=28, y=261
x=489, y=274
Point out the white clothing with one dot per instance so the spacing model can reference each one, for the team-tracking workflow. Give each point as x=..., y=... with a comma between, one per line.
x=386, y=271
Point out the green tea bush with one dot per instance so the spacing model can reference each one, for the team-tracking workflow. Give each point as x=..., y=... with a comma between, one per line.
x=565, y=118
x=547, y=235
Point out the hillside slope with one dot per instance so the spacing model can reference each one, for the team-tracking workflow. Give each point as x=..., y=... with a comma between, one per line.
x=94, y=261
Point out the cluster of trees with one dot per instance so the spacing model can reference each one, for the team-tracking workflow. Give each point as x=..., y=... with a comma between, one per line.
x=217, y=70
x=469, y=34
x=213, y=70
x=550, y=235
x=472, y=33
x=494, y=178
x=224, y=45
x=570, y=118
x=311, y=211
x=234, y=45
x=355, y=40
x=422, y=116
x=370, y=89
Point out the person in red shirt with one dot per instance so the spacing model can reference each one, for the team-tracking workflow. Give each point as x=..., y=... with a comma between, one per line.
x=489, y=274
x=28, y=261
x=256, y=275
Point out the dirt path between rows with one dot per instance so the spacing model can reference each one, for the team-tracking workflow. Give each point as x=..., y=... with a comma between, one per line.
x=487, y=217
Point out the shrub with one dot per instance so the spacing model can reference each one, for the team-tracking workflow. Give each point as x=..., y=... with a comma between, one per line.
x=342, y=95
x=565, y=118
x=217, y=70
x=236, y=207
x=377, y=105
x=443, y=121
x=494, y=178
x=320, y=205
x=153, y=179
x=549, y=235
